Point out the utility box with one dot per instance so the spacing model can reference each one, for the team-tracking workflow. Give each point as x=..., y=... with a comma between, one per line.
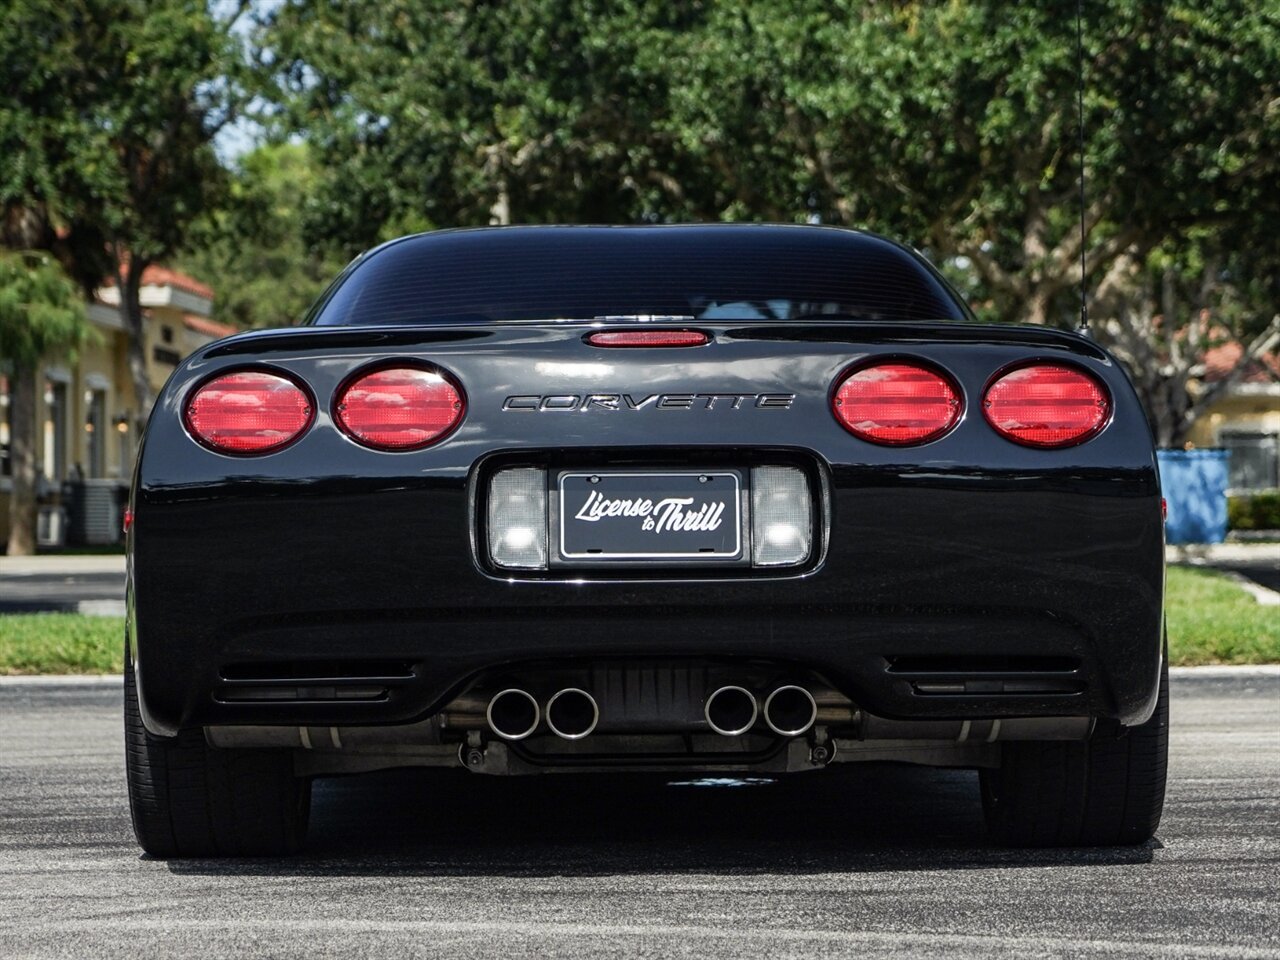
x=1194, y=486
x=93, y=512
x=51, y=527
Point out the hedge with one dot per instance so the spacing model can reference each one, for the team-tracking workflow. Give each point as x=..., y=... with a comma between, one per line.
x=1254, y=511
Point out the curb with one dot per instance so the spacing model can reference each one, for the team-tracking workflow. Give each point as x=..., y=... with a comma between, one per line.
x=63, y=680
x=63, y=565
x=1225, y=670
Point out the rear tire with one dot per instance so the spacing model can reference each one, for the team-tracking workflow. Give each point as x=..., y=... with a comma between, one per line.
x=188, y=799
x=1105, y=792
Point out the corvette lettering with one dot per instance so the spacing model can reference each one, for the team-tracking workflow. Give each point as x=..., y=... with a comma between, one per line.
x=671, y=513
x=564, y=402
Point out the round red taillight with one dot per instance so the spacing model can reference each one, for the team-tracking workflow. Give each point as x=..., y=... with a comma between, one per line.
x=896, y=404
x=1047, y=405
x=401, y=408
x=250, y=412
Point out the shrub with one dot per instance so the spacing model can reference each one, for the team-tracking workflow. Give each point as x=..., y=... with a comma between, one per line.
x=1254, y=511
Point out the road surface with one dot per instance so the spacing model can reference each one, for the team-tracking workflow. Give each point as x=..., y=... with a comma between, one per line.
x=864, y=862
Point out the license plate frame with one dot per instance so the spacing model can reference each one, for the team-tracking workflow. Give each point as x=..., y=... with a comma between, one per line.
x=619, y=540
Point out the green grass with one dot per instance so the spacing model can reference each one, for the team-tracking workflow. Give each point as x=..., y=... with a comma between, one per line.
x=60, y=643
x=1210, y=620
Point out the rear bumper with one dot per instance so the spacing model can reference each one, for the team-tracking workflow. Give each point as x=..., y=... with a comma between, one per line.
x=938, y=596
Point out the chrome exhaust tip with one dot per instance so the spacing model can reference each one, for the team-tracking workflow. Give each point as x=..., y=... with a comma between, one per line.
x=790, y=711
x=512, y=713
x=572, y=714
x=731, y=711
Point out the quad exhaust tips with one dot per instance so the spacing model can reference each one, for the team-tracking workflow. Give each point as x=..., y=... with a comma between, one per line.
x=512, y=713
x=572, y=714
x=790, y=711
x=731, y=711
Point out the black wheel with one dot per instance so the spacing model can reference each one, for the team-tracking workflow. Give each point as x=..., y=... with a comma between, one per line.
x=188, y=799
x=1107, y=791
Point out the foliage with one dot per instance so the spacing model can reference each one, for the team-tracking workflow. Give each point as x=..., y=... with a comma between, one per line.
x=1211, y=620
x=41, y=312
x=60, y=643
x=252, y=251
x=107, y=132
x=951, y=126
x=1254, y=511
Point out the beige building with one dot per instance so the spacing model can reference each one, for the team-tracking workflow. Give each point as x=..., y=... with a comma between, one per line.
x=86, y=436
x=1245, y=420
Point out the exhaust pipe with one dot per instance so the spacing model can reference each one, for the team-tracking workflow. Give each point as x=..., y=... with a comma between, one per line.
x=572, y=714
x=731, y=711
x=790, y=711
x=512, y=713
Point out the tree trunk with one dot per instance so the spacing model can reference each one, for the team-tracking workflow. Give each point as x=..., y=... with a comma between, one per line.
x=129, y=281
x=1034, y=309
x=22, y=453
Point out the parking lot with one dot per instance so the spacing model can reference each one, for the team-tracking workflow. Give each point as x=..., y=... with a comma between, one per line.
x=860, y=861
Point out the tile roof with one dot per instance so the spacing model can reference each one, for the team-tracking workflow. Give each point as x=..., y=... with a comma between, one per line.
x=210, y=328
x=1219, y=361
x=158, y=276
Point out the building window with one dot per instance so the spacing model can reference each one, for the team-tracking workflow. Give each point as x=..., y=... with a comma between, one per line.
x=164, y=355
x=6, y=435
x=166, y=334
x=1254, y=462
x=95, y=425
x=55, y=430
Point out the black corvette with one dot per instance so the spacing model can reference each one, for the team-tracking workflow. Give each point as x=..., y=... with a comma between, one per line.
x=698, y=498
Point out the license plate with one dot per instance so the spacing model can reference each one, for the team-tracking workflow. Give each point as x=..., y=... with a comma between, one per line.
x=648, y=515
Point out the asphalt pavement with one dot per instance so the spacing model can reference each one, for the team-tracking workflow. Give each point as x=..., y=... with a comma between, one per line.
x=863, y=861
x=63, y=583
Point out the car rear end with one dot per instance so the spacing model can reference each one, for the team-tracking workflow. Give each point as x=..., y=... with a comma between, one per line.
x=658, y=541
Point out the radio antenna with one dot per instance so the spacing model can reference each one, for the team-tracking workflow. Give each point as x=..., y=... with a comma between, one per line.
x=1084, y=290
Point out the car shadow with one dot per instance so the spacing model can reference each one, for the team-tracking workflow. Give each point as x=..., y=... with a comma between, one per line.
x=859, y=818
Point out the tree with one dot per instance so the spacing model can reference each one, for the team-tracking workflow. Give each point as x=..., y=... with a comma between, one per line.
x=107, y=137
x=951, y=126
x=41, y=314
x=1161, y=317
x=252, y=249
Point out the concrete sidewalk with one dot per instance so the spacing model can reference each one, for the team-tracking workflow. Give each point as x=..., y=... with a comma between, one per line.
x=62, y=564
x=1211, y=554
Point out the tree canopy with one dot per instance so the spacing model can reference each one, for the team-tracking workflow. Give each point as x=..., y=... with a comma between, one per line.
x=107, y=135
x=950, y=126
x=41, y=313
x=253, y=251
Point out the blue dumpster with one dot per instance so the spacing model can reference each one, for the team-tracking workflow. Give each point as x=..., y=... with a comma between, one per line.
x=1194, y=485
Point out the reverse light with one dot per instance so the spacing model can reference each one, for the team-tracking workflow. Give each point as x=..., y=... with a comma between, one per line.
x=247, y=413
x=896, y=404
x=517, y=527
x=1047, y=405
x=400, y=408
x=781, y=517
x=648, y=338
